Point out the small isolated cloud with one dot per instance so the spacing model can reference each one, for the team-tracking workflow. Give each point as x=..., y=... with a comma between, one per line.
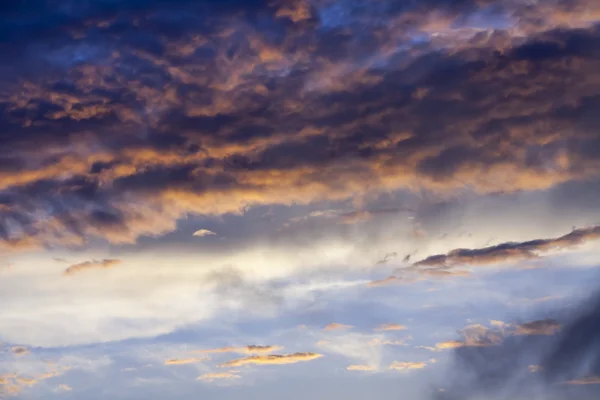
x=272, y=359
x=404, y=366
x=591, y=380
x=184, y=361
x=390, y=327
x=449, y=344
x=204, y=232
x=534, y=368
x=19, y=351
x=87, y=265
x=64, y=388
x=250, y=349
x=540, y=327
x=217, y=376
x=337, y=327
x=359, y=367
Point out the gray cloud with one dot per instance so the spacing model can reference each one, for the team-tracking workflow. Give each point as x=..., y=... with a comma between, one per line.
x=545, y=363
x=117, y=122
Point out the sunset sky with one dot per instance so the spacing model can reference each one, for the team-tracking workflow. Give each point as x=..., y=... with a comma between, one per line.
x=300, y=199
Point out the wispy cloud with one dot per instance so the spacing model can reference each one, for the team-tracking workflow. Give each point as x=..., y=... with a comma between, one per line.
x=335, y=326
x=209, y=377
x=404, y=366
x=359, y=367
x=390, y=327
x=272, y=359
x=185, y=361
x=510, y=251
x=91, y=265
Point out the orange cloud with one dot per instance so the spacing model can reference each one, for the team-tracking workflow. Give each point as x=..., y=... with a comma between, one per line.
x=184, y=361
x=390, y=327
x=403, y=366
x=272, y=359
x=449, y=344
x=337, y=327
x=88, y=265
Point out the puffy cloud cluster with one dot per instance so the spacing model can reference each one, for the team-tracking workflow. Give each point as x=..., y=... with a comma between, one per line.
x=119, y=121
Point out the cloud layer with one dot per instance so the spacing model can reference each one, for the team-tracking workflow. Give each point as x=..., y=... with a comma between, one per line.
x=115, y=135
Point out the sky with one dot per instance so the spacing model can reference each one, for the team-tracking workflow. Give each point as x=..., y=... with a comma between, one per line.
x=309, y=199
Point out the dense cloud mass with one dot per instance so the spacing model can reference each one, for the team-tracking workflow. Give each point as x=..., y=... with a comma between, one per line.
x=117, y=119
x=542, y=364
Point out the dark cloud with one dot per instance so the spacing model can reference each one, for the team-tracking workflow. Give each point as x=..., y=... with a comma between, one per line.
x=510, y=251
x=562, y=365
x=453, y=263
x=116, y=121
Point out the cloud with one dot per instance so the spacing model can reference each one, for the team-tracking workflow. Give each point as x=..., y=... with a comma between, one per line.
x=19, y=351
x=217, y=376
x=185, y=361
x=447, y=265
x=64, y=387
x=91, y=153
x=204, y=232
x=89, y=265
x=449, y=344
x=569, y=356
x=16, y=383
x=335, y=326
x=364, y=368
x=390, y=327
x=510, y=251
x=592, y=380
x=541, y=327
x=361, y=349
x=272, y=359
x=403, y=366
x=251, y=349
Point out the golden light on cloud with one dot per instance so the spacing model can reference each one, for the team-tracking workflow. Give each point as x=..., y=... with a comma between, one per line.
x=449, y=344
x=91, y=265
x=184, y=361
x=403, y=366
x=390, y=327
x=272, y=359
x=65, y=388
x=337, y=327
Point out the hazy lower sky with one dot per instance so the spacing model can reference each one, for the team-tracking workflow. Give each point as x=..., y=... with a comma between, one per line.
x=299, y=199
